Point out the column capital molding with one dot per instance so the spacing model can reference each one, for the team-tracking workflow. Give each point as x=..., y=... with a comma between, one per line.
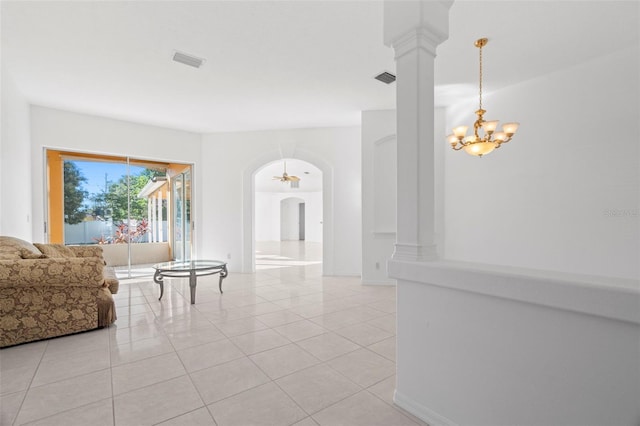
x=417, y=39
x=416, y=24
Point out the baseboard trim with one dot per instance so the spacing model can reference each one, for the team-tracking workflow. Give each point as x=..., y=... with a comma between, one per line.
x=420, y=411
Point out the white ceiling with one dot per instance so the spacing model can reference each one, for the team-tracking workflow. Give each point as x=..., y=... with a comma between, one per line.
x=310, y=177
x=279, y=64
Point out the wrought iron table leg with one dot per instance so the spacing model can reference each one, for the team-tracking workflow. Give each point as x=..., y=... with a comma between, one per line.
x=192, y=286
x=223, y=275
x=157, y=278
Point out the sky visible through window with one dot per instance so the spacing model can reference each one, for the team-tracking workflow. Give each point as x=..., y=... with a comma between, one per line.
x=99, y=175
x=102, y=208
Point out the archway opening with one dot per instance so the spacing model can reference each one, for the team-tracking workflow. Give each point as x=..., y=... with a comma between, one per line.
x=288, y=215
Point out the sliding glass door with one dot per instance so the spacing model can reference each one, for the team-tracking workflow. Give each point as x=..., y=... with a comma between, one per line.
x=123, y=204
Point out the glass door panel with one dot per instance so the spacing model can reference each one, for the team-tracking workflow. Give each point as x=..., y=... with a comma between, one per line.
x=181, y=200
x=187, y=215
x=178, y=217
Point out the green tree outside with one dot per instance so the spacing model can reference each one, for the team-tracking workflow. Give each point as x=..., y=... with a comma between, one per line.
x=116, y=197
x=74, y=195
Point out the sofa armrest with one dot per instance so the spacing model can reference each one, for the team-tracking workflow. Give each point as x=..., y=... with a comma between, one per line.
x=111, y=279
x=75, y=272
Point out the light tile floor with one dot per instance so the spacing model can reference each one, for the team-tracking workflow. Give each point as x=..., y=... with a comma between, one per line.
x=283, y=346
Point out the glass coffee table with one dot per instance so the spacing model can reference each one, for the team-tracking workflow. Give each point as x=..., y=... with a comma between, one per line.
x=189, y=268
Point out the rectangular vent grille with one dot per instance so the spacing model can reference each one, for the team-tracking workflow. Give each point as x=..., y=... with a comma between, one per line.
x=386, y=77
x=190, y=60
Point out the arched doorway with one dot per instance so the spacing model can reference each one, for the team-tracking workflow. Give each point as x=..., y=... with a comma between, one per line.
x=288, y=214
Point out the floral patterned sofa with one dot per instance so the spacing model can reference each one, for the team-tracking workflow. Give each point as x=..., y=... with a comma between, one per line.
x=49, y=290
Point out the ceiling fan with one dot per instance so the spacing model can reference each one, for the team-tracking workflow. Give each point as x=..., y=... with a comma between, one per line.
x=285, y=177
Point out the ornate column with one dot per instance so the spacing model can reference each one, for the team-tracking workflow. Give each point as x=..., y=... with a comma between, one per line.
x=414, y=29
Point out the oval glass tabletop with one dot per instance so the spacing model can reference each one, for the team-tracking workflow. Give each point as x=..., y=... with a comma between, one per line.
x=188, y=265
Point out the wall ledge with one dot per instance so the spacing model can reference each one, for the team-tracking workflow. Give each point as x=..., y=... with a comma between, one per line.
x=420, y=411
x=609, y=297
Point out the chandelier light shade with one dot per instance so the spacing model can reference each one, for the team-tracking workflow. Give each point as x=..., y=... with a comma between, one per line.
x=481, y=145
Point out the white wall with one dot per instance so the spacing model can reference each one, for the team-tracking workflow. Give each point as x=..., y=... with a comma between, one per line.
x=234, y=159
x=482, y=344
x=379, y=190
x=219, y=176
x=268, y=215
x=564, y=194
x=15, y=163
x=77, y=132
x=379, y=170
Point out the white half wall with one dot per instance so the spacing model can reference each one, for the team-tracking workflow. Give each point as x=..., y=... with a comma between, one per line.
x=234, y=158
x=564, y=195
x=509, y=346
x=15, y=163
x=63, y=130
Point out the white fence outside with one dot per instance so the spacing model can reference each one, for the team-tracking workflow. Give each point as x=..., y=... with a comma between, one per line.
x=90, y=232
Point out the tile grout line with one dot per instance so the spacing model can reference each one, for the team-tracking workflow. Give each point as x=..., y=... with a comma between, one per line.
x=273, y=279
x=28, y=388
x=113, y=402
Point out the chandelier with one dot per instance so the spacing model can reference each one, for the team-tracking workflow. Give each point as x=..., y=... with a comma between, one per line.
x=474, y=144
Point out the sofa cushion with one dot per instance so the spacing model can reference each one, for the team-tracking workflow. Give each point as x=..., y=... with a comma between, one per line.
x=12, y=248
x=55, y=250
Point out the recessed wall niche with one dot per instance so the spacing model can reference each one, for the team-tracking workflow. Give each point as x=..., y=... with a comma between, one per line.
x=385, y=168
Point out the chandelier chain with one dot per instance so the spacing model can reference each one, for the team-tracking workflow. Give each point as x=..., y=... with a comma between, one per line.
x=480, y=77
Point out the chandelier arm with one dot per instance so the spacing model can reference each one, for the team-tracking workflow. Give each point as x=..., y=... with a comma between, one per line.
x=477, y=125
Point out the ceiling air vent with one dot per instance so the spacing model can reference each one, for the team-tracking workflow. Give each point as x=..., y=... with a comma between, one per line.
x=386, y=77
x=186, y=59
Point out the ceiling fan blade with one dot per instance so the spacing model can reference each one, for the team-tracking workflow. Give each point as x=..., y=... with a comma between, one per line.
x=285, y=177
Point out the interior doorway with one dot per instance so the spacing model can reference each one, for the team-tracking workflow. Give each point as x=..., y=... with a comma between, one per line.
x=288, y=207
x=301, y=221
x=292, y=219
